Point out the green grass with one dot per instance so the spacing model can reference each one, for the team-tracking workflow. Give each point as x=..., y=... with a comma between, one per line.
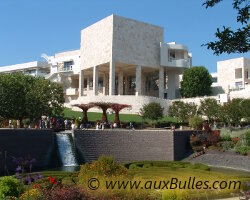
x=93, y=117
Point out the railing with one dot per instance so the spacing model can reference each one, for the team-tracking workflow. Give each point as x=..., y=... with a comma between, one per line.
x=72, y=91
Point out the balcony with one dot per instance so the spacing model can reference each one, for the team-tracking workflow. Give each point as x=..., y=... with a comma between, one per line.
x=178, y=63
x=175, y=55
x=72, y=92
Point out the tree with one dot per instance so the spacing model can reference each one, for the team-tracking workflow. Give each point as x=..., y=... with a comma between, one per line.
x=230, y=41
x=29, y=97
x=117, y=108
x=233, y=110
x=85, y=108
x=196, y=81
x=152, y=111
x=182, y=111
x=245, y=104
x=209, y=108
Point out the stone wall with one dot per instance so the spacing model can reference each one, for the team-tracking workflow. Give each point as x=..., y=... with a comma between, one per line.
x=128, y=145
x=135, y=101
x=136, y=42
x=39, y=144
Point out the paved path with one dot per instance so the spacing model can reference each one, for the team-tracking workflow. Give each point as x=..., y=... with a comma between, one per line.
x=222, y=160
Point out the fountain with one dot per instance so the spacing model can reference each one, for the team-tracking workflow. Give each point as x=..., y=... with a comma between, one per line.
x=66, y=150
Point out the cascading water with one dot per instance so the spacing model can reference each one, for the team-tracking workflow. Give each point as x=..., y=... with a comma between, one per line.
x=65, y=147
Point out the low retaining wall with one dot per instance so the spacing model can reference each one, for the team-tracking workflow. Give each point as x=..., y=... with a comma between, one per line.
x=128, y=145
x=39, y=144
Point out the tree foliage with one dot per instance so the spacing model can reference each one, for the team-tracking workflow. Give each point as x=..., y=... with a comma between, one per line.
x=210, y=108
x=196, y=82
x=152, y=111
x=23, y=96
x=232, y=41
x=182, y=111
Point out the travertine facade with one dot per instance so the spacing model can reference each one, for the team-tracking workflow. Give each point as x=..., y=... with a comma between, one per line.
x=233, y=73
x=123, y=58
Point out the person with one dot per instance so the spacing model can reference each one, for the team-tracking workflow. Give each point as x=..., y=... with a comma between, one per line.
x=10, y=123
x=130, y=125
x=115, y=125
x=215, y=125
x=97, y=126
x=66, y=124
x=18, y=123
x=46, y=122
x=72, y=126
x=81, y=126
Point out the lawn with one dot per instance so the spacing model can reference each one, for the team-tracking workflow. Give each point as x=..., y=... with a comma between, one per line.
x=93, y=117
x=146, y=172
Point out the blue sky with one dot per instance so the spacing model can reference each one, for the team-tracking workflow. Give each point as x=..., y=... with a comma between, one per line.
x=32, y=27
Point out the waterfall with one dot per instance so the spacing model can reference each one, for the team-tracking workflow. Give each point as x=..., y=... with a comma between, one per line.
x=66, y=151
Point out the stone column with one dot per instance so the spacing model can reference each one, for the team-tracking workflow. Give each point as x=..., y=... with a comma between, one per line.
x=120, y=84
x=95, y=80
x=126, y=85
x=81, y=83
x=87, y=83
x=173, y=84
x=111, y=78
x=138, y=80
x=161, y=82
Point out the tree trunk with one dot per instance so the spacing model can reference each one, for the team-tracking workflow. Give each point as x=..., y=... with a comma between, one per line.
x=85, y=118
x=117, y=119
x=104, y=116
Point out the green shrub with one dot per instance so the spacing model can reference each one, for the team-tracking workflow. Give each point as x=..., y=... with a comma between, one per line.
x=226, y=137
x=196, y=123
x=133, y=166
x=226, y=145
x=9, y=186
x=147, y=165
x=243, y=150
x=248, y=138
x=104, y=166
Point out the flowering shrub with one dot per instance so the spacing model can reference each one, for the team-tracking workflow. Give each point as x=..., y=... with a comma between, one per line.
x=31, y=195
x=63, y=193
x=204, y=139
x=235, y=140
x=213, y=137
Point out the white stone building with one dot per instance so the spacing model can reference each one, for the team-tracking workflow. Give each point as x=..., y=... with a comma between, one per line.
x=232, y=78
x=35, y=68
x=126, y=61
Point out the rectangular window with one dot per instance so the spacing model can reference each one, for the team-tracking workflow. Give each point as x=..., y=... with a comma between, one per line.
x=67, y=66
x=238, y=73
x=238, y=84
x=215, y=79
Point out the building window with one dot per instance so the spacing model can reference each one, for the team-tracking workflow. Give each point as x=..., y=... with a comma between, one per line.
x=67, y=66
x=238, y=73
x=238, y=84
x=171, y=55
x=215, y=79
